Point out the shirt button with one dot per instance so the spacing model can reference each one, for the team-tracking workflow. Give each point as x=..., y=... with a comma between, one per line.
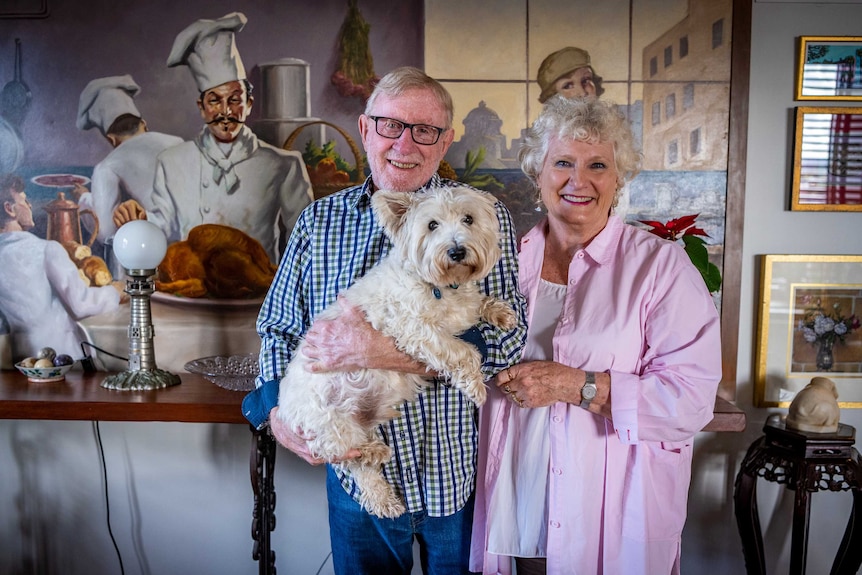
x=580, y=255
x=206, y=209
x=205, y=183
x=557, y=471
x=555, y=524
x=557, y=419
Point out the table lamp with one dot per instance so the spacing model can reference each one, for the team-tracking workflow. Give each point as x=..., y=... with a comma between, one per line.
x=140, y=246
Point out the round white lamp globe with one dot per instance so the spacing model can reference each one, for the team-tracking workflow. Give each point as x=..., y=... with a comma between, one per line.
x=140, y=245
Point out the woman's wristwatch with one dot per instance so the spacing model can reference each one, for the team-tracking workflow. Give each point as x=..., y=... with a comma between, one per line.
x=588, y=392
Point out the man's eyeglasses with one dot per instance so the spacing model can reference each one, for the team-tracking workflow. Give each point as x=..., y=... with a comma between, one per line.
x=421, y=133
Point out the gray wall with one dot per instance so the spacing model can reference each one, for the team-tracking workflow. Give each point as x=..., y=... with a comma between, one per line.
x=179, y=493
x=710, y=540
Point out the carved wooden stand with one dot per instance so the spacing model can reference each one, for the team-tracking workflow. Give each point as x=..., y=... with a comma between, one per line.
x=804, y=462
x=263, y=518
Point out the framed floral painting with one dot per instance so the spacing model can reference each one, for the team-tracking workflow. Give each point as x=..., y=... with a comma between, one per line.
x=809, y=325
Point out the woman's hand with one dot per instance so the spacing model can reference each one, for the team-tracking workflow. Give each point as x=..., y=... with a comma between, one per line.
x=540, y=383
x=298, y=442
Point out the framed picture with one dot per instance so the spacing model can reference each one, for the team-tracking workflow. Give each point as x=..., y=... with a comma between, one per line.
x=830, y=68
x=809, y=325
x=827, y=160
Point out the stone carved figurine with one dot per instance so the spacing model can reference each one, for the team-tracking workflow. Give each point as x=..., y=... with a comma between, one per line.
x=815, y=408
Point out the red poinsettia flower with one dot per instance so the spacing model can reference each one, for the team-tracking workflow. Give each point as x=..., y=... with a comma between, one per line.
x=683, y=228
x=676, y=228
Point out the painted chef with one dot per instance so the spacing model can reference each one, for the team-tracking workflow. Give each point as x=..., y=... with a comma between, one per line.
x=127, y=172
x=225, y=175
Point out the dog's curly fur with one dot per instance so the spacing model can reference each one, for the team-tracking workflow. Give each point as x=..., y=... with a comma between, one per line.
x=423, y=294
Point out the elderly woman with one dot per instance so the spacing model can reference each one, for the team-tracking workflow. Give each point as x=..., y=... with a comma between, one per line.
x=586, y=446
x=568, y=72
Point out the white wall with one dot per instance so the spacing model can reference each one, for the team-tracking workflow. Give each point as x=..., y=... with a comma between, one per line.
x=710, y=540
x=180, y=498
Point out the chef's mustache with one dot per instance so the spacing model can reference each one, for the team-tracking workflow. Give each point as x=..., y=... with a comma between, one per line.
x=220, y=119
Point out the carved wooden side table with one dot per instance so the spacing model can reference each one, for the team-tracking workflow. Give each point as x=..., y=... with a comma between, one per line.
x=806, y=463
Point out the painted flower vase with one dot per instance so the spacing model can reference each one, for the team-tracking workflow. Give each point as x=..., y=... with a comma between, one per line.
x=825, y=359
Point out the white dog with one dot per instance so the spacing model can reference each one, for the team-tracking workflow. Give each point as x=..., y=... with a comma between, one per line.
x=422, y=294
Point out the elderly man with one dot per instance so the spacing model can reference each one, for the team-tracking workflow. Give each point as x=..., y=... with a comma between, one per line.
x=225, y=175
x=406, y=130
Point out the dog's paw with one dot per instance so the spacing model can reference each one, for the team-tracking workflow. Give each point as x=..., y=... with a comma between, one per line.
x=500, y=314
x=476, y=391
x=384, y=505
x=375, y=453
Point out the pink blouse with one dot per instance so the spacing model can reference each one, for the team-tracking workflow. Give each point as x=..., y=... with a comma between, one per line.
x=638, y=309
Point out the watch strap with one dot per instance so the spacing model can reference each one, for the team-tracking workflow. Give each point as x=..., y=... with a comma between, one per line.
x=588, y=392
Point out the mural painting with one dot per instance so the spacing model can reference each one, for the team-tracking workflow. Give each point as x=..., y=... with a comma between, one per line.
x=173, y=148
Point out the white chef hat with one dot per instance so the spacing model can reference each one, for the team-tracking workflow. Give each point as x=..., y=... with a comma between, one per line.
x=106, y=99
x=207, y=47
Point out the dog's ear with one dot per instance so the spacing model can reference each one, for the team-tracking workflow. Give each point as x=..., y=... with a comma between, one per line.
x=391, y=208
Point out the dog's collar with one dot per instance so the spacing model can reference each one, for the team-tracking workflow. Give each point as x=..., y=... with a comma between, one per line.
x=438, y=294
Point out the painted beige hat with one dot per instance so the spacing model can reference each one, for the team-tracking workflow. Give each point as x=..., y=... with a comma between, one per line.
x=104, y=100
x=557, y=65
x=208, y=48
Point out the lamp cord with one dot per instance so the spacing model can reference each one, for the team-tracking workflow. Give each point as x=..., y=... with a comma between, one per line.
x=99, y=349
x=107, y=500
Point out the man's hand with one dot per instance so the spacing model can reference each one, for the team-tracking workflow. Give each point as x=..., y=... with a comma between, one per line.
x=298, y=442
x=128, y=211
x=350, y=343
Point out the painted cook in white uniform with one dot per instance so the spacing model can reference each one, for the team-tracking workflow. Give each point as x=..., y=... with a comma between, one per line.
x=225, y=175
x=127, y=172
x=42, y=295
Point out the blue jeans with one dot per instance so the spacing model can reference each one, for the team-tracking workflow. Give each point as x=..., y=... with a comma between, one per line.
x=363, y=544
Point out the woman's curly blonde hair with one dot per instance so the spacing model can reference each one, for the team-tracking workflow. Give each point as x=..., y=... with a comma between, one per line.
x=586, y=119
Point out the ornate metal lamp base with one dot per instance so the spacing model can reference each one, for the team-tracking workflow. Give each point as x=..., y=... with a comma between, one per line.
x=141, y=380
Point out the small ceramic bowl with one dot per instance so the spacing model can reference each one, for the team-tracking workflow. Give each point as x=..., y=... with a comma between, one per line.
x=45, y=374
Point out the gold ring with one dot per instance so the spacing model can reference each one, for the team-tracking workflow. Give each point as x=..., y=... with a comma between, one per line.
x=507, y=389
x=518, y=400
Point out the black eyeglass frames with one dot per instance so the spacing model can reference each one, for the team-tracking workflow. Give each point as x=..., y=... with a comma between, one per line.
x=423, y=134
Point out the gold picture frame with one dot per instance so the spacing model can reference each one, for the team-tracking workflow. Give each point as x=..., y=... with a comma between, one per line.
x=795, y=291
x=830, y=68
x=827, y=159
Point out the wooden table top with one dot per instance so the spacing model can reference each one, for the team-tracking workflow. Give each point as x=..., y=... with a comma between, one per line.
x=81, y=397
x=728, y=417
x=195, y=400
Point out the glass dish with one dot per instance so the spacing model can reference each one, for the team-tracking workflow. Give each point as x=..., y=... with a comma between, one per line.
x=235, y=372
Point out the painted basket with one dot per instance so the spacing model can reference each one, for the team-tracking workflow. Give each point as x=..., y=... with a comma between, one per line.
x=321, y=190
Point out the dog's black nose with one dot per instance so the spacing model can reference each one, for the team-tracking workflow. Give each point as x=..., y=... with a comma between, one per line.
x=457, y=254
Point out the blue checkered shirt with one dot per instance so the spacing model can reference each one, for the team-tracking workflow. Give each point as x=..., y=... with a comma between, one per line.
x=336, y=240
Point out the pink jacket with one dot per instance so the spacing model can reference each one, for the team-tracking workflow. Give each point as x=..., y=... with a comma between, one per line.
x=638, y=309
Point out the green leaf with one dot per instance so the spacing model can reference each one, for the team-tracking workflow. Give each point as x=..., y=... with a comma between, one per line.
x=695, y=247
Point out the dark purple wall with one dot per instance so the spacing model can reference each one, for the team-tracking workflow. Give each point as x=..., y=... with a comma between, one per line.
x=85, y=39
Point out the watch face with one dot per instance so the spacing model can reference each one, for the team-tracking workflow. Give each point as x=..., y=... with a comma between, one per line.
x=588, y=392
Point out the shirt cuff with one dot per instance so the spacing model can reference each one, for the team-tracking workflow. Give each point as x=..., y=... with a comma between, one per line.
x=257, y=404
x=624, y=406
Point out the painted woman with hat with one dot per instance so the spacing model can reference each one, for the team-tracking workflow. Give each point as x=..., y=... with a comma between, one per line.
x=568, y=72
